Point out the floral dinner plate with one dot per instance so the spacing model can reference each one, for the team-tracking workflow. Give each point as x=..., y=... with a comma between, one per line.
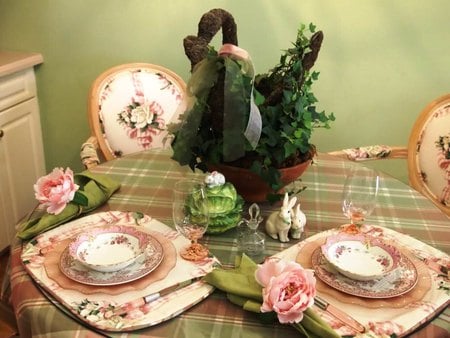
x=395, y=283
x=76, y=270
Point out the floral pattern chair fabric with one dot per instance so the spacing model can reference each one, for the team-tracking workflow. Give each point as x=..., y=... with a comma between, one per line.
x=129, y=109
x=427, y=153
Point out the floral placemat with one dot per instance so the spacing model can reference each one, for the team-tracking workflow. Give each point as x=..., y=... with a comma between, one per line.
x=97, y=308
x=387, y=318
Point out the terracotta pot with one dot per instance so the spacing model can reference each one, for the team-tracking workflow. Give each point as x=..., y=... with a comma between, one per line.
x=250, y=186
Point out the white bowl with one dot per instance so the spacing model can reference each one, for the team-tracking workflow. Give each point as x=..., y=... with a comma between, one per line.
x=360, y=257
x=108, y=249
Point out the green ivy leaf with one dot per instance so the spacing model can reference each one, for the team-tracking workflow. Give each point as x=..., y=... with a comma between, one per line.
x=80, y=198
x=289, y=149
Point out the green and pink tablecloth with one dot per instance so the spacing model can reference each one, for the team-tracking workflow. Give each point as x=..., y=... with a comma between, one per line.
x=147, y=179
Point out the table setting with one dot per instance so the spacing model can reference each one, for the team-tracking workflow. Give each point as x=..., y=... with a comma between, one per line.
x=135, y=299
x=86, y=291
x=164, y=243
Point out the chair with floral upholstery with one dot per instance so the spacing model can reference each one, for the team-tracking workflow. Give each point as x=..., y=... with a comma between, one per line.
x=129, y=107
x=427, y=153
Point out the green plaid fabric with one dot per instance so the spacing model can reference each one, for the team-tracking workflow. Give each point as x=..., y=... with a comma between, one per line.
x=147, y=179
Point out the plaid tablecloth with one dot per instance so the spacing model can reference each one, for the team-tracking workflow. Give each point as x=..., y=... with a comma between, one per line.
x=147, y=179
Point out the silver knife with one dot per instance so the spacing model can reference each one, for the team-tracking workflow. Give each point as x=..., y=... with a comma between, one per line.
x=138, y=302
x=339, y=314
x=441, y=269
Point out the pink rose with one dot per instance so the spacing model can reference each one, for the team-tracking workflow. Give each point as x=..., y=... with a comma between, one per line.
x=56, y=190
x=288, y=289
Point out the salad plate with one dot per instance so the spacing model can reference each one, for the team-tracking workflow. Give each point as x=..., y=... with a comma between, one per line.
x=141, y=265
x=360, y=257
x=109, y=249
x=395, y=283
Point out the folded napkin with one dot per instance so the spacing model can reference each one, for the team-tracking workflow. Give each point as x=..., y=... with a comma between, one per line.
x=96, y=187
x=242, y=289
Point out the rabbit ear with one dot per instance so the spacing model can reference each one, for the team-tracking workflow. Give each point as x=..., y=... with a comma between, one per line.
x=292, y=202
x=286, y=200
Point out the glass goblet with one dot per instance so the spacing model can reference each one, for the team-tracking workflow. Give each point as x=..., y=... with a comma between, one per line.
x=190, y=215
x=360, y=194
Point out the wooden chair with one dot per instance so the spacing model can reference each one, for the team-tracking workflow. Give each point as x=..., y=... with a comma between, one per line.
x=427, y=153
x=129, y=107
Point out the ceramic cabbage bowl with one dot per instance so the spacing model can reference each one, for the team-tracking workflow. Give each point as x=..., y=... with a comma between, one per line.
x=361, y=257
x=109, y=249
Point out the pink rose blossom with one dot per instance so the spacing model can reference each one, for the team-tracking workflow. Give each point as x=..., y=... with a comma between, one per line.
x=56, y=190
x=288, y=289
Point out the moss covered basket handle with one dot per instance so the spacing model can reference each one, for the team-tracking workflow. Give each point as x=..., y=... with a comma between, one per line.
x=196, y=47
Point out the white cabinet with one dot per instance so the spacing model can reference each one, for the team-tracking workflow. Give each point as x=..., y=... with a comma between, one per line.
x=21, y=150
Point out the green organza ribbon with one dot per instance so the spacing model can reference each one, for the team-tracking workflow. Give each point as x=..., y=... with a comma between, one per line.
x=238, y=102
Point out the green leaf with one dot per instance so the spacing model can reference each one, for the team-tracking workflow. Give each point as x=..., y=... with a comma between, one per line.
x=259, y=99
x=80, y=198
x=315, y=75
x=287, y=95
x=298, y=133
x=297, y=66
x=289, y=149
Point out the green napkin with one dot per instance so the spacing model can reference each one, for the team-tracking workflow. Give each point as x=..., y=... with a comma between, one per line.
x=243, y=290
x=96, y=187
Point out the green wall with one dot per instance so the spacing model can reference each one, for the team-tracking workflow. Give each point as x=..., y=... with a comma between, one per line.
x=381, y=62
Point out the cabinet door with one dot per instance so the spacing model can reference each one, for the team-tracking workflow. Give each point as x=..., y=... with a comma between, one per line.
x=21, y=164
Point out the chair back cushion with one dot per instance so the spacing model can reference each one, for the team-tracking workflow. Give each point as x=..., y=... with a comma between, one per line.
x=131, y=106
x=429, y=153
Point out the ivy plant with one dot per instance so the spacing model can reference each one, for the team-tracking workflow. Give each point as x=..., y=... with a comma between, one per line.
x=285, y=100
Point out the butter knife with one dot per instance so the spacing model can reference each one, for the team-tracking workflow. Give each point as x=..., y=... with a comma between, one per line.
x=441, y=269
x=339, y=314
x=138, y=302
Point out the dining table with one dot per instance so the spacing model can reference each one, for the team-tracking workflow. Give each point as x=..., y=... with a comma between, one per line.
x=146, y=181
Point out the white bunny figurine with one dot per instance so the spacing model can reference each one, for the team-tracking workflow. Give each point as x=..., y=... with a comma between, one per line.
x=279, y=222
x=298, y=222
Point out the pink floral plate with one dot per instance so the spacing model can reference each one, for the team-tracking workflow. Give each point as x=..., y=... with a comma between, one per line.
x=142, y=264
x=393, y=284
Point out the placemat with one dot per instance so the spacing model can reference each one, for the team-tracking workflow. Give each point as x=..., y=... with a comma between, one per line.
x=96, y=309
x=383, y=315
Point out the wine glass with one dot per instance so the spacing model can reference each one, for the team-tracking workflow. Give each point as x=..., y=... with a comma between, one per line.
x=360, y=194
x=190, y=215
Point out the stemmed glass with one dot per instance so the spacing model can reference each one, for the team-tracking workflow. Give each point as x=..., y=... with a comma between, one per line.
x=190, y=215
x=360, y=194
